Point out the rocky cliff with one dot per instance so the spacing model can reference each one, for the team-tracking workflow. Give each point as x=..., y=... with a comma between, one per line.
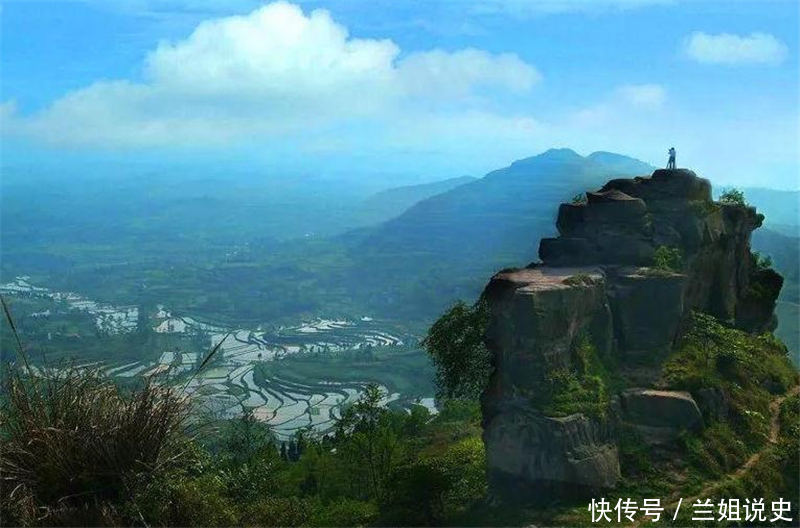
x=603, y=293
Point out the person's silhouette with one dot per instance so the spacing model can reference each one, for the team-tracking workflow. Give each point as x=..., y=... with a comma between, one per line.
x=671, y=162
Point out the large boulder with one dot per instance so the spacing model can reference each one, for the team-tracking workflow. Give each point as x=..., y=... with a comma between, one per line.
x=536, y=316
x=647, y=306
x=538, y=453
x=659, y=415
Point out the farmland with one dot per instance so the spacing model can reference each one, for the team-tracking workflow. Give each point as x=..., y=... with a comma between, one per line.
x=291, y=376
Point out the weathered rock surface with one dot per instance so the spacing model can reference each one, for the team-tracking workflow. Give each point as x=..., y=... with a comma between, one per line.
x=713, y=403
x=658, y=415
x=628, y=219
x=543, y=453
x=596, y=281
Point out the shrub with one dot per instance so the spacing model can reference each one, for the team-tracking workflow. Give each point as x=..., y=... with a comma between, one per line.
x=176, y=498
x=345, y=512
x=579, y=199
x=579, y=388
x=761, y=262
x=733, y=197
x=668, y=258
x=278, y=511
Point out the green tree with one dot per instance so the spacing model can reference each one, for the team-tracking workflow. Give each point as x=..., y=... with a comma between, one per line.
x=455, y=344
x=369, y=443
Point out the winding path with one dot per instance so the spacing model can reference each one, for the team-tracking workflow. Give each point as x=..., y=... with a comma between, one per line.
x=708, y=491
x=774, y=431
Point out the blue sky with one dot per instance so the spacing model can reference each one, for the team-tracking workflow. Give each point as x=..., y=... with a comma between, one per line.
x=418, y=90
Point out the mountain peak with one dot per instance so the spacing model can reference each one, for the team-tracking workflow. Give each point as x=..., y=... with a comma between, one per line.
x=559, y=154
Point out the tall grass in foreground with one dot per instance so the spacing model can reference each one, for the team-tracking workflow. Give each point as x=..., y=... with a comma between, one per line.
x=74, y=444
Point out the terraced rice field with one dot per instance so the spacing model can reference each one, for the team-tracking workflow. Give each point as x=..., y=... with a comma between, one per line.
x=232, y=383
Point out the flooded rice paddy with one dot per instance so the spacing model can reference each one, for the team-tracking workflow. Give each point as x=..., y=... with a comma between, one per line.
x=232, y=383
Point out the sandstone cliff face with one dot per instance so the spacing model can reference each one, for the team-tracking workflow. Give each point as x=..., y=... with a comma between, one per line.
x=596, y=282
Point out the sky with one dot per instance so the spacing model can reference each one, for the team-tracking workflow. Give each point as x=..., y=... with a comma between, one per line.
x=409, y=90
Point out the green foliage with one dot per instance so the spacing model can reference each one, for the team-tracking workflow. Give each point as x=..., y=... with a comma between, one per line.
x=370, y=447
x=179, y=499
x=668, y=258
x=718, y=450
x=278, y=511
x=455, y=343
x=761, y=262
x=703, y=208
x=713, y=354
x=246, y=438
x=732, y=196
x=579, y=198
x=345, y=512
x=579, y=388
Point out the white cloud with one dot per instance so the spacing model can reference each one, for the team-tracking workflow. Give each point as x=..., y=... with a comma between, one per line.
x=626, y=102
x=274, y=71
x=643, y=95
x=726, y=48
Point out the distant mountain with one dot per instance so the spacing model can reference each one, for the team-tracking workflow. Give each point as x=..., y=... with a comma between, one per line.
x=442, y=247
x=390, y=203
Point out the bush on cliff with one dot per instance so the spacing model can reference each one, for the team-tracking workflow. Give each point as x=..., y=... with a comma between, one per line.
x=732, y=197
x=668, y=258
x=578, y=388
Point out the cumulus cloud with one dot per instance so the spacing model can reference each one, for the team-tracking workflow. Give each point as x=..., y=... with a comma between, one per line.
x=726, y=48
x=274, y=71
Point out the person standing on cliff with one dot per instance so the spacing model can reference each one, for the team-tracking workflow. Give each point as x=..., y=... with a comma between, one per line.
x=671, y=161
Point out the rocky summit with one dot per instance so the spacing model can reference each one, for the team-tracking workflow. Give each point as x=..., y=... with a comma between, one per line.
x=632, y=261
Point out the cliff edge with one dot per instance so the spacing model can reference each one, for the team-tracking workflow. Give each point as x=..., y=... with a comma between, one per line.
x=617, y=287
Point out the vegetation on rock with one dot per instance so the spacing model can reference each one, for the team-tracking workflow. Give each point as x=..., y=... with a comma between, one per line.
x=668, y=258
x=732, y=197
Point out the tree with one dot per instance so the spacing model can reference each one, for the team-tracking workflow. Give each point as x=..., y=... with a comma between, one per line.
x=455, y=344
x=369, y=443
x=247, y=437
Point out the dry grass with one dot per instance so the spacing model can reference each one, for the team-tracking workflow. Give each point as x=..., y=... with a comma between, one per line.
x=73, y=441
x=74, y=445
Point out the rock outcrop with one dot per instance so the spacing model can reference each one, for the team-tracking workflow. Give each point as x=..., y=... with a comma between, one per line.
x=597, y=281
x=659, y=415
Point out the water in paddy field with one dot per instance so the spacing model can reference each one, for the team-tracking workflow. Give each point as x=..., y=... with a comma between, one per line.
x=229, y=385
